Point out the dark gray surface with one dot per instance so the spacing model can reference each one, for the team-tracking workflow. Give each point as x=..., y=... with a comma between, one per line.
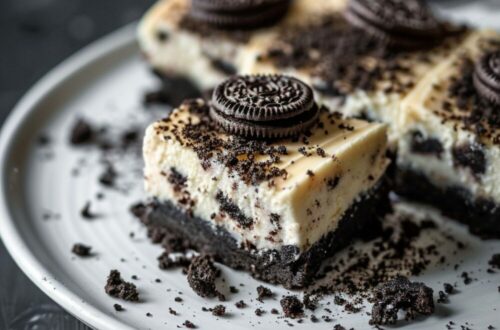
x=35, y=35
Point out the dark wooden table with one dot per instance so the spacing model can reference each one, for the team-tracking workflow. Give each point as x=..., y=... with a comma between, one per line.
x=35, y=35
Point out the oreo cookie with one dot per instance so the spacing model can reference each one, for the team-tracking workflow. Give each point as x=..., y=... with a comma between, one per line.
x=264, y=106
x=401, y=23
x=239, y=14
x=487, y=77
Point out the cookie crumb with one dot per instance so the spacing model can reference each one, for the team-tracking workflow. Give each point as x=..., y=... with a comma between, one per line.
x=219, y=310
x=86, y=213
x=495, y=261
x=188, y=324
x=118, y=307
x=400, y=294
x=292, y=307
x=118, y=288
x=201, y=276
x=240, y=304
x=81, y=133
x=263, y=293
x=81, y=250
x=448, y=288
x=259, y=312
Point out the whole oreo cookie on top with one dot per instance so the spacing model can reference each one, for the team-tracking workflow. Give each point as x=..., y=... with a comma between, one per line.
x=402, y=23
x=232, y=5
x=264, y=106
x=487, y=77
x=239, y=14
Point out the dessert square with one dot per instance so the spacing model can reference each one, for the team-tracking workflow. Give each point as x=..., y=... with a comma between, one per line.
x=352, y=71
x=274, y=207
x=449, y=152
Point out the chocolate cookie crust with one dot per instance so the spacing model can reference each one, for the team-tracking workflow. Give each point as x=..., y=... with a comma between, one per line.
x=480, y=215
x=287, y=266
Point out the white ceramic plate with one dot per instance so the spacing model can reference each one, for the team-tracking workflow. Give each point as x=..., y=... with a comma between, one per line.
x=105, y=83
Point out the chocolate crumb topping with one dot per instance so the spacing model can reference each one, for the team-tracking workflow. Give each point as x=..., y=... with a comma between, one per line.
x=345, y=58
x=332, y=183
x=238, y=154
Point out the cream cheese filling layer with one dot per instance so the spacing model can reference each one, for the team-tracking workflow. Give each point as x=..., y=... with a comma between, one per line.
x=423, y=111
x=442, y=171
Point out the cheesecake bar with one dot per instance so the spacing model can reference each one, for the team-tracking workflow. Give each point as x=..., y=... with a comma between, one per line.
x=352, y=72
x=250, y=189
x=174, y=44
x=449, y=152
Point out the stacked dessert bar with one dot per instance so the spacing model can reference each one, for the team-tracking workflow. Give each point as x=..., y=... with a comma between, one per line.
x=351, y=71
x=274, y=174
x=266, y=180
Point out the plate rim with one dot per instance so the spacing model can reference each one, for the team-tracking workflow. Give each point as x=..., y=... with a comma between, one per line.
x=9, y=233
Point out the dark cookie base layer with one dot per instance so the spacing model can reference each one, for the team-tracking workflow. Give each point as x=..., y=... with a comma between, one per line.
x=285, y=266
x=482, y=216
